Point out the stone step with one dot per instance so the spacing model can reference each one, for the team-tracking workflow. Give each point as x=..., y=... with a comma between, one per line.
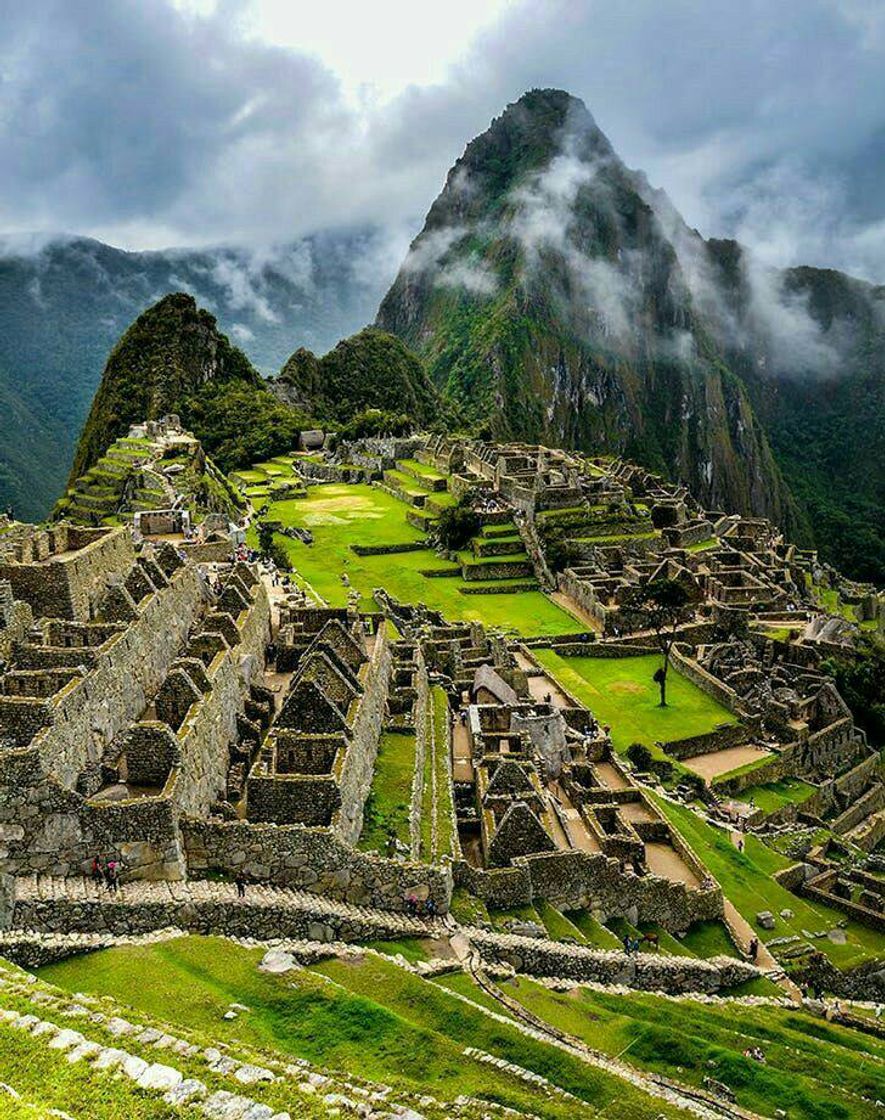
x=51, y=904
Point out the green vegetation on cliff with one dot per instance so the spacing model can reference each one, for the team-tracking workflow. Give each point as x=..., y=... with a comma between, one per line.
x=370, y=370
x=173, y=359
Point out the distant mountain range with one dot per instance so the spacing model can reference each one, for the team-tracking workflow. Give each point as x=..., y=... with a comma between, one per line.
x=557, y=297
x=65, y=302
x=552, y=295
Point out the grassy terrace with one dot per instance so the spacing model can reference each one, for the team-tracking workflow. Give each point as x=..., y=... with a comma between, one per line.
x=775, y=795
x=387, y=806
x=340, y=515
x=812, y=1070
x=746, y=879
x=366, y=1017
x=621, y=693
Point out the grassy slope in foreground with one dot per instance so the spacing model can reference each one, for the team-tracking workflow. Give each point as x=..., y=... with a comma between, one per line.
x=746, y=879
x=369, y=1018
x=813, y=1070
x=340, y=515
x=621, y=693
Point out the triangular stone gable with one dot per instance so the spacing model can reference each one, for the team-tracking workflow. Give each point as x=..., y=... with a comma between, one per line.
x=319, y=668
x=307, y=708
x=520, y=833
x=509, y=780
x=336, y=637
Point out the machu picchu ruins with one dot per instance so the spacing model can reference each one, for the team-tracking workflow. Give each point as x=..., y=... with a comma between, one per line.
x=442, y=666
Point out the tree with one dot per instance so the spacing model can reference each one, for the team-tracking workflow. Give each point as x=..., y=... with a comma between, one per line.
x=265, y=539
x=662, y=605
x=457, y=525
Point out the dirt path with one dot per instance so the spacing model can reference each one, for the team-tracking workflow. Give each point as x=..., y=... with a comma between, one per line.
x=693, y=1101
x=542, y=687
x=711, y=765
x=665, y=861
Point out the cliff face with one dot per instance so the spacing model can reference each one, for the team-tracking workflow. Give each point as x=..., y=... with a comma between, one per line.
x=554, y=294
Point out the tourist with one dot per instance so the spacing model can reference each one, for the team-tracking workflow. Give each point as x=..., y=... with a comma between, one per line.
x=241, y=884
x=754, y=948
x=626, y=940
x=430, y=908
x=740, y=843
x=97, y=874
x=111, y=877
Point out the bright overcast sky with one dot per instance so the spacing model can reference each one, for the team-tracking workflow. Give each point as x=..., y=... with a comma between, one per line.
x=150, y=123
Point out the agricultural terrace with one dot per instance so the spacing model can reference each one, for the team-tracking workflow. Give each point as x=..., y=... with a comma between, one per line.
x=747, y=880
x=363, y=1016
x=341, y=515
x=621, y=693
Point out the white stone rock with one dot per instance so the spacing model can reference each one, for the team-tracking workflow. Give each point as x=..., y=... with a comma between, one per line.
x=110, y=1057
x=87, y=1049
x=248, y=1074
x=185, y=1091
x=134, y=1066
x=277, y=960
x=66, y=1040
x=229, y=1015
x=159, y=1077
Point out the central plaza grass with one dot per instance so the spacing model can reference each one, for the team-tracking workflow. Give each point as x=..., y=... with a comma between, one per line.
x=340, y=515
x=364, y=1017
x=746, y=879
x=812, y=1070
x=622, y=694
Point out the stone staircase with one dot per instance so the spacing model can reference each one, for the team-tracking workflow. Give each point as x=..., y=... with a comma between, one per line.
x=57, y=905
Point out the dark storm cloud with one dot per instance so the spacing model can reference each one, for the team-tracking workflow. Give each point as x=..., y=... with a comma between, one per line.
x=761, y=120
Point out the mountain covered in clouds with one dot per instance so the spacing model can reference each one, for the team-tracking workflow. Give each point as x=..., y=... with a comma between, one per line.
x=65, y=302
x=556, y=296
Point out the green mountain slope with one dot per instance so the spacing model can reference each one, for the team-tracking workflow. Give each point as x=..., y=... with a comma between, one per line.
x=173, y=359
x=65, y=302
x=556, y=296
x=372, y=369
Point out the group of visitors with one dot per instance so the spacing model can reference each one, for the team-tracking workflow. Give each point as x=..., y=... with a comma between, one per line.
x=754, y=1052
x=416, y=907
x=106, y=872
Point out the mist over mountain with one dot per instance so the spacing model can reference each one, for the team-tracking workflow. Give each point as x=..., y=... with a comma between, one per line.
x=556, y=296
x=64, y=302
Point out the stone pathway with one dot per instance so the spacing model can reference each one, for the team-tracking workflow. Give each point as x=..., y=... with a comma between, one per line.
x=153, y=905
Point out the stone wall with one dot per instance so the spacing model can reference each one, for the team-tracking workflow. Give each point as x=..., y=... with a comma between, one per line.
x=69, y=580
x=210, y=725
x=683, y=661
x=644, y=971
x=356, y=767
x=129, y=669
x=312, y=859
x=720, y=738
x=576, y=880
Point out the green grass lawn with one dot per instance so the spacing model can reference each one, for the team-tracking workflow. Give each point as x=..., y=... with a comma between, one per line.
x=812, y=1070
x=340, y=515
x=367, y=1018
x=621, y=693
x=775, y=795
x=746, y=879
x=387, y=806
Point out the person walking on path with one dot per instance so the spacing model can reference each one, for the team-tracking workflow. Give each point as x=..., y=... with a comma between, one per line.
x=241, y=885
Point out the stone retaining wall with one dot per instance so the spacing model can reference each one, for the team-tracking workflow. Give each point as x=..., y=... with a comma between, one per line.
x=312, y=859
x=358, y=765
x=576, y=880
x=644, y=971
x=706, y=682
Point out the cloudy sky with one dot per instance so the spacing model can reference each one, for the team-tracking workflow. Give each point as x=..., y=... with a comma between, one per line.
x=153, y=123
